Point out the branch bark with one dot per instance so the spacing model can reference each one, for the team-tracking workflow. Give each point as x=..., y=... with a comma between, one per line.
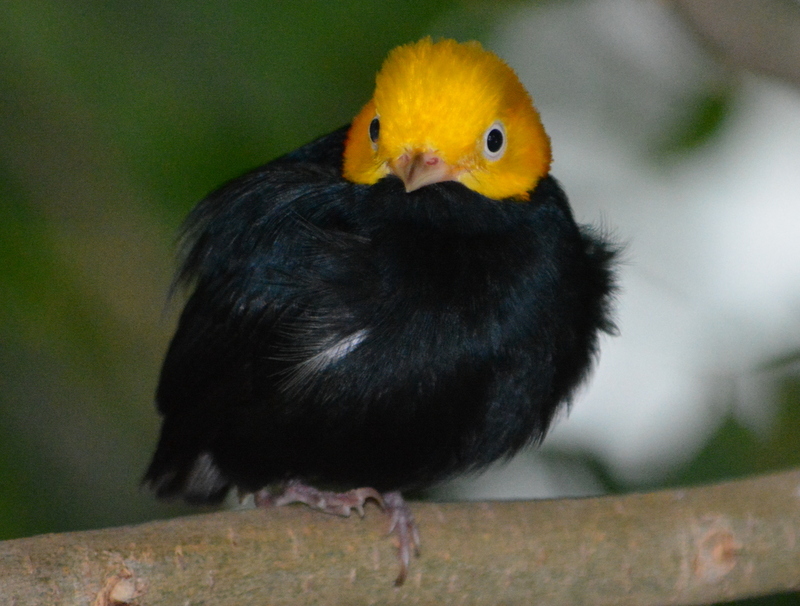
x=693, y=546
x=762, y=36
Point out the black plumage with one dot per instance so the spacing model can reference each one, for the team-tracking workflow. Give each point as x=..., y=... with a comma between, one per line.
x=357, y=335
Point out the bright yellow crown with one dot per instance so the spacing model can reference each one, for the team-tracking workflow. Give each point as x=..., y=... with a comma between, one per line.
x=444, y=111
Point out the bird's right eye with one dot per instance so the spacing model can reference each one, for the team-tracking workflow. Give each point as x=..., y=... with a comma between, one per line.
x=374, y=130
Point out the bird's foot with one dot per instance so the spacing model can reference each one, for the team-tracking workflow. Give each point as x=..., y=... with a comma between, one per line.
x=402, y=521
x=340, y=504
x=403, y=525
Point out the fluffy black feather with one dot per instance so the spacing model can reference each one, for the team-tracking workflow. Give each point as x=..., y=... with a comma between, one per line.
x=356, y=335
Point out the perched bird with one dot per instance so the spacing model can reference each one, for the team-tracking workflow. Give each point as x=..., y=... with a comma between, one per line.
x=402, y=300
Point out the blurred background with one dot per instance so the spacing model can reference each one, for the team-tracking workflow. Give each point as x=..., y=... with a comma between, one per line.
x=675, y=126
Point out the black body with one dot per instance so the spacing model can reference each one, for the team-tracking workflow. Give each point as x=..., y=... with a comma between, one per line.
x=352, y=335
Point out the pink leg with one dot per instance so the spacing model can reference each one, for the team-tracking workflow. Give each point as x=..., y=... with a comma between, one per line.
x=405, y=528
x=402, y=522
x=340, y=504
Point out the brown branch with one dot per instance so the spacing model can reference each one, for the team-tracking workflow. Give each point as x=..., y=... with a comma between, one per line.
x=763, y=36
x=693, y=546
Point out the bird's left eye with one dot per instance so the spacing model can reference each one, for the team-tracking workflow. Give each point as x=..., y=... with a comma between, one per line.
x=494, y=141
x=374, y=129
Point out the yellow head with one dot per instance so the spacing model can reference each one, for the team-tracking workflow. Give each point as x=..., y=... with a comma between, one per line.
x=444, y=111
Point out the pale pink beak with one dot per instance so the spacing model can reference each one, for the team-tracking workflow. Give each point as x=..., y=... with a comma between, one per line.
x=422, y=168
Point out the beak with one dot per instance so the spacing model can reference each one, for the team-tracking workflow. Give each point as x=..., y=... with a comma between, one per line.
x=418, y=169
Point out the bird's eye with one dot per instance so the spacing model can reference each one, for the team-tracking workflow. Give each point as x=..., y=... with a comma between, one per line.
x=374, y=130
x=494, y=141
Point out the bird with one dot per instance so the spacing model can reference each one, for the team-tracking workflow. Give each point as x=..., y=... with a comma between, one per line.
x=403, y=300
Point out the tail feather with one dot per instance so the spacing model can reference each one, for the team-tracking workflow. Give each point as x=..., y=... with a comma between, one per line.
x=196, y=479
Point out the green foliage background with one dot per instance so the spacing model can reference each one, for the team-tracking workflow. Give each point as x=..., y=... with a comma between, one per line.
x=115, y=119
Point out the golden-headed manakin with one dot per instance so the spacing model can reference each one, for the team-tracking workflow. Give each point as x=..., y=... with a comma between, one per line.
x=402, y=300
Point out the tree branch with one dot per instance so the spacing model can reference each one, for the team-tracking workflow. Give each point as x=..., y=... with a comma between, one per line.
x=763, y=36
x=693, y=546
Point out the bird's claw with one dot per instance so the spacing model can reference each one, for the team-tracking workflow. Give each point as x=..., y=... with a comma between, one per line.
x=341, y=504
x=402, y=524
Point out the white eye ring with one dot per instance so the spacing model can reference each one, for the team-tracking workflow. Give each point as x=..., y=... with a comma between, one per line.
x=495, y=141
